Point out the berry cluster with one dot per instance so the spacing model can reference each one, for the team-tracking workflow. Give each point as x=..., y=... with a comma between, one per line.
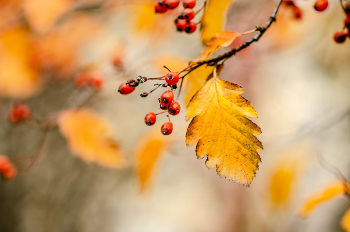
x=166, y=100
x=341, y=35
x=83, y=80
x=183, y=21
x=19, y=112
x=296, y=10
x=7, y=170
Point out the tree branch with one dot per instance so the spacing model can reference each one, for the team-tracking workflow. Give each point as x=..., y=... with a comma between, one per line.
x=231, y=53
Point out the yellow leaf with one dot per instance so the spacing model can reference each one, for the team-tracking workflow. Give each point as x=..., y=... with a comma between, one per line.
x=194, y=81
x=42, y=14
x=90, y=137
x=148, y=154
x=283, y=179
x=331, y=191
x=214, y=18
x=222, y=39
x=174, y=63
x=18, y=79
x=222, y=132
x=345, y=221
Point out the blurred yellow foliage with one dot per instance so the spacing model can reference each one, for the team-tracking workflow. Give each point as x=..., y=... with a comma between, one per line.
x=331, y=191
x=214, y=18
x=42, y=14
x=345, y=221
x=148, y=154
x=90, y=137
x=222, y=132
x=174, y=63
x=18, y=78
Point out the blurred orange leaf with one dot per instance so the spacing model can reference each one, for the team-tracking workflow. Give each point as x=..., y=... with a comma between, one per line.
x=331, y=191
x=90, y=137
x=222, y=132
x=222, y=39
x=148, y=154
x=42, y=14
x=194, y=81
x=18, y=79
x=214, y=18
x=345, y=221
x=58, y=50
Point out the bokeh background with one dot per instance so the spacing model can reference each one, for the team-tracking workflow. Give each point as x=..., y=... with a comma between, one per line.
x=296, y=77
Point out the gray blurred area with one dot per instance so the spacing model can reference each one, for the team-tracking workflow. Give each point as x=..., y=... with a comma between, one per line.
x=298, y=80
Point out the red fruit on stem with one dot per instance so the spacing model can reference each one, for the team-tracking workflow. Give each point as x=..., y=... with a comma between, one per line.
x=174, y=108
x=20, y=112
x=180, y=24
x=340, y=36
x=125, y=89
x=161, y=2
x=189, y=3
x=160, y=8
x=190, y=27
x=321, y=5
x=150, y=119
x=172, y=78
x=188, y=14
x=172, y=4
x=167, y=128
x=7, y=169
x=347, y=22
x=167, y=97
x=163, y=107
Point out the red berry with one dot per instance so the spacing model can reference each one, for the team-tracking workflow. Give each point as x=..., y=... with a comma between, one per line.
x=188, y=14
x=167, y=97
x=321, y=5
x=174, y=108
x=125, y=89
x=189, y=3
x=7, y=169
x=161, y=2
x=118, y=62
x=172, y=78
x=163, y=107
x=150, y=119
x=82, y=80
x=20, y=112
x=172, y=4
x=167, y=128
x=190, y=27
x=96, y=82
x=160, y=8
x=347, y=22
x=180, y=24
x=340, y=36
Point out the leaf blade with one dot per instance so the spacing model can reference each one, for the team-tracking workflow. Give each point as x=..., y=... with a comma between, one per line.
x=222, y=132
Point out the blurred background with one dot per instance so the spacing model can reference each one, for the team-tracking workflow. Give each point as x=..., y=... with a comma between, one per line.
x=296, y=77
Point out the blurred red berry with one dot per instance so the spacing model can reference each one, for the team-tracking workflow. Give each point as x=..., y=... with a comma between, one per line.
x=189, y=3
x=180, y=24
x=96, y=82
x=20, y=112
x=7, y=169
x=188, y=14
x=82, y=80
x=160, y=8
x=125, y=89
x=190, y=27
x=172, y=4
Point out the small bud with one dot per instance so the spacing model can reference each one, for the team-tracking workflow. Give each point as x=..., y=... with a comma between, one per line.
x=144, y=94
x=174, y=87
x=132, y=83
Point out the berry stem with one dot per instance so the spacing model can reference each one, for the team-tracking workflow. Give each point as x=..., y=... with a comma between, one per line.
x=167, y=68
x=162, y=112
x=202, y=7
